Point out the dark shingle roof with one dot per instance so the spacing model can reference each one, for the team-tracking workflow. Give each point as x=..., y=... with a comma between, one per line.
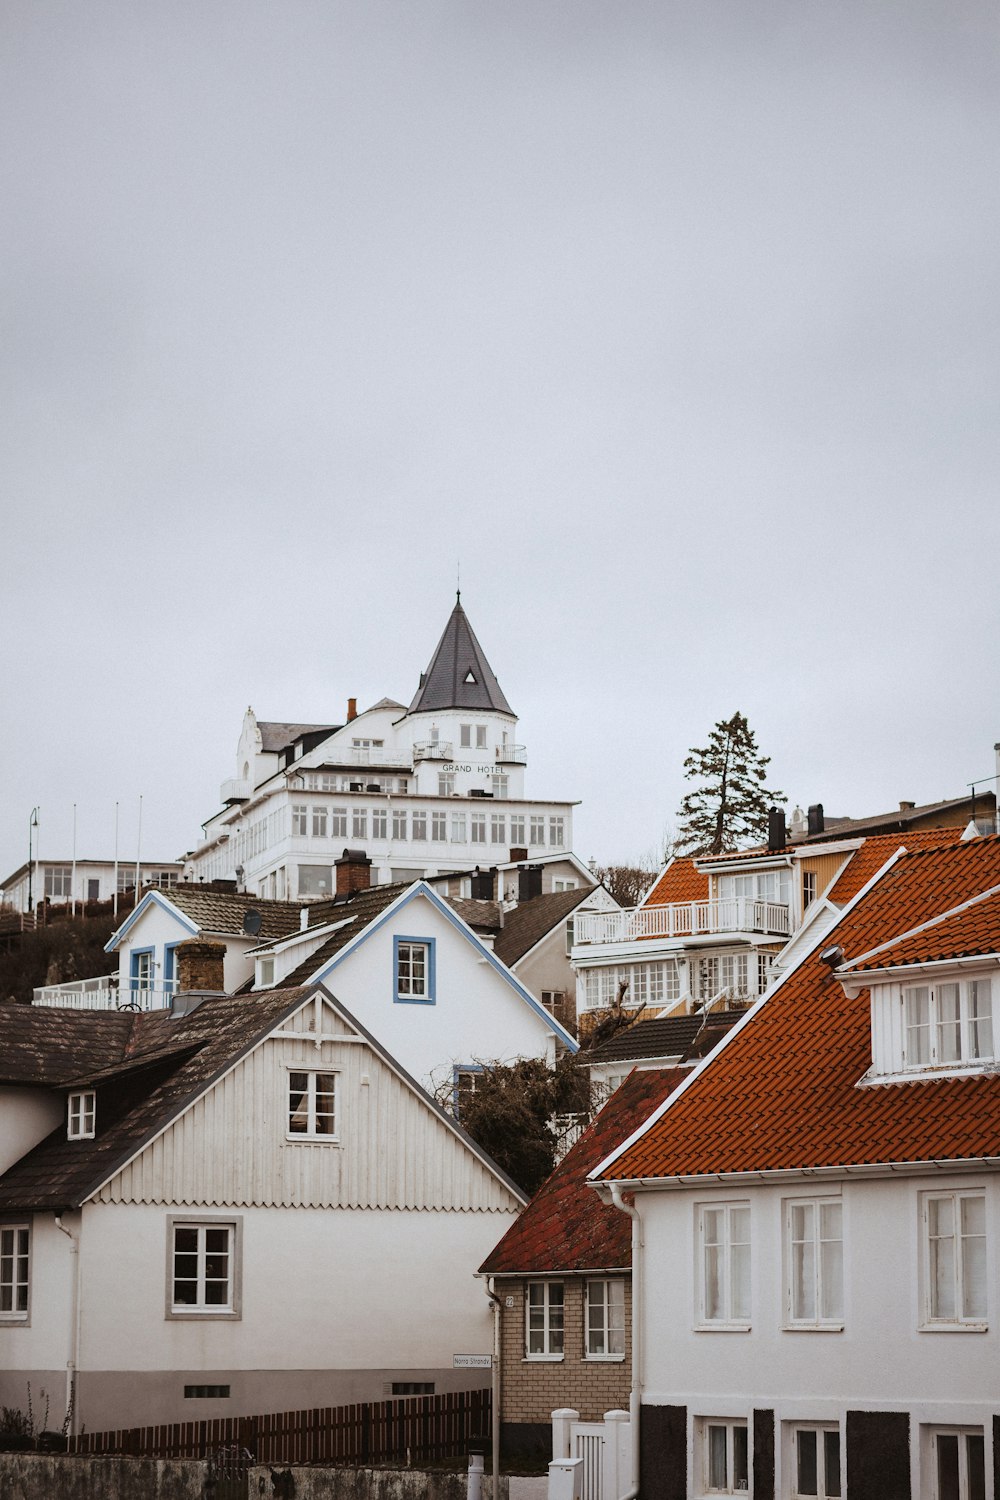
x=39, y=1045
x=529, y=922
x=662, y=1036
x=275, y=736
x=132, y=1105
x=901, y=818
x=363, y=907
x=458, y=658
x=566, y=1227
x=223, y=911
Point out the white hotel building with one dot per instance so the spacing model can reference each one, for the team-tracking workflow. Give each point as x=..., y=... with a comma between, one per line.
x=427, y=790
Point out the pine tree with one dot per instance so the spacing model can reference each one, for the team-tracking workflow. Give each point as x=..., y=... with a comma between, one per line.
x=728, y=809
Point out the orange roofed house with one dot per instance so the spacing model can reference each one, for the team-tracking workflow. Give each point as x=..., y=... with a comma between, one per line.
x=819, y=1211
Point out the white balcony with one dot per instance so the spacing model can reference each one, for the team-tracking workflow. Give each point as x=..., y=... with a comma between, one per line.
x=103, y=993
x=433, y=750
x=373, y=755
x=511, y=755
x=684, y=920
x=236, y=789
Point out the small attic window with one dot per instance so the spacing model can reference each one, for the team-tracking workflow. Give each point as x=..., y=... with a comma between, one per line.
x=470, y=677
x=942, y=1025
x=81, y=1115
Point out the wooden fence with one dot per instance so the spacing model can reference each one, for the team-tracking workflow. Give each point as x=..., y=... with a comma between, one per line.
x=408, y=1430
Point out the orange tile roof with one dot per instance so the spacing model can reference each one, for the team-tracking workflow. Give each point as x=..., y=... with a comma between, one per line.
x=869, y=859
x=963, y=932
x=680, y=881
x=781, y=1093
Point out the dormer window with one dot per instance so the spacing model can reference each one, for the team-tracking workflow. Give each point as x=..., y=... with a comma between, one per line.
x=947, y=1023
x=81, y=1115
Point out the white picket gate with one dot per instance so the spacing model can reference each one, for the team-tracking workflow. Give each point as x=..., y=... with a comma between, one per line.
x=604, y=1448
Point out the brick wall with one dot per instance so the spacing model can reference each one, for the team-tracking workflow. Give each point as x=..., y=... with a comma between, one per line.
x=200, y=965
x=533, y=1389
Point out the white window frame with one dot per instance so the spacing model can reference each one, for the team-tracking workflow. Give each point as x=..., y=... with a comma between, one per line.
x=200, y=1310
x=300, y=819
x=320, y=819
x=15, y=1272
x=967, y=1054
x=419, y=826
x=338, y=822
x=517, y=830
x=309, y=1097
x=439, y=828
x=465, y=736
x=730, y=1426
x=932, y=1318
x=731, y=1318
x=602, y=1330
x=825, y=1270
x=477, y=828
x=81, y=1115
x=546, y=1325
x=930, y=1454
x=380, y=823
x=792, y=1430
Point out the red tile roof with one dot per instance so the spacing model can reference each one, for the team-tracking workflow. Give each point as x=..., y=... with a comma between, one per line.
x=869, y=859
x=964, y=932
x=781, y=1093
x=565, y=1227
x=680, y=881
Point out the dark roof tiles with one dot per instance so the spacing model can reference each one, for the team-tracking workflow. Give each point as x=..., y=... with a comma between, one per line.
x=459, y=675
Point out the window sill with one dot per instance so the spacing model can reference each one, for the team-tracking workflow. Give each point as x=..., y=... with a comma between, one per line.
x=413, y=1000
x=15, y=1320
x=812, y=1328
x=194, y=1315
x=954, y=1328
x=542, y=1359
x=604, y=1359
x=313, y=1140
x=722, y=1328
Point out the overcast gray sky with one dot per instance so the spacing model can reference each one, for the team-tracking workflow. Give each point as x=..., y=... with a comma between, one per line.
x=675, y=323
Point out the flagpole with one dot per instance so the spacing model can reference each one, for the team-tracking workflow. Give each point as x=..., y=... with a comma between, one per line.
x=138, y=846
x=115, y=892
x=72, y=879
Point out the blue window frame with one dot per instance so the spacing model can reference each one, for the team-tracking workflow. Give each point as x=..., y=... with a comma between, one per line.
x=142, y=969
x=413, y=971
x=464, y=1083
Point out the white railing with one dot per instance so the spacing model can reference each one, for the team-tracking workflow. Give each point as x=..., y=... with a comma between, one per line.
x=236, y=789
x=432, y=750
x=104, y=993
x=683, y=919
x=515, y=755
x=372, y=755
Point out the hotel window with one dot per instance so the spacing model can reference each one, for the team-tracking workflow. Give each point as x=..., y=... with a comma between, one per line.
x=537, y=831
x=380, y=822
x=959, y=1463
x=724, y=1265
x=501, y=786
x=439, y=827
x=399, y=823
x=204, y=1263
x=815, y=1460
x=319, y=823
x=414, y=970
x=517, y=830
x=312, y=1105
x=545, y=1313
x=480, y=736
x=557, y=832
x=420, y=826
x=300, y=818
x=498, y=829
x=359, y=823
x=338, y=822
x=58, y=881
x=458, y=834
x=724, y=1457
x=446, y=783
x=465, y=736
x=814, y=1258
x=15, y=1242
x=81, y=1115
x=478, y=826
x=947, y=1023
x=314, y=880
x=954, y=1246
x=605, y=1319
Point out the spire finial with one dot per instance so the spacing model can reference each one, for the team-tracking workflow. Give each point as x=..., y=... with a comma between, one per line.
x=458, y=581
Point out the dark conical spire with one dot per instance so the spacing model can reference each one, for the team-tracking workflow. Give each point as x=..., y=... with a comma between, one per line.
x=459, y=675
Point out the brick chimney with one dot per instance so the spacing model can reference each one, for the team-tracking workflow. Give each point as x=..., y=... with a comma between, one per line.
x=354, y=872
x=200, y=967
x=352, y=709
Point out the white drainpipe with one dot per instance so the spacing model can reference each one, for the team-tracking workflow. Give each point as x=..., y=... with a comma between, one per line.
x=635, y=1395
x=72, y=1389
x=495, y=1382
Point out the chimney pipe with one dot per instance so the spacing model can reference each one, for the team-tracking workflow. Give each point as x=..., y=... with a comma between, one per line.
x=200, y=973
x=815, y=816
x=483, y=887
x=775, y=830
x=354, y=872
x=907, y=806
x=352, y=709
x=529, y=882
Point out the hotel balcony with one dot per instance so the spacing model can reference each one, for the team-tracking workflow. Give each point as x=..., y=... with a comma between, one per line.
x=103, y=993
x=433, y=750
x=686, y=919
x=511, y=755
x=236, y=789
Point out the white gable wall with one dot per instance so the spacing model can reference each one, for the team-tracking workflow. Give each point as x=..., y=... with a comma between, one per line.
x=158, y=927
x=28, y=1116
x=477, y=1015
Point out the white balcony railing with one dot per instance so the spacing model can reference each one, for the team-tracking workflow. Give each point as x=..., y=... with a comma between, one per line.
x=236, y=789
x=432, y=750
x=683, y=919
x=374, y=755
x=511, y=755
x=104, y=993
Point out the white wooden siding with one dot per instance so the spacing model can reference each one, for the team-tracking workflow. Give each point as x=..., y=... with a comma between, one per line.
x=230, y=1148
